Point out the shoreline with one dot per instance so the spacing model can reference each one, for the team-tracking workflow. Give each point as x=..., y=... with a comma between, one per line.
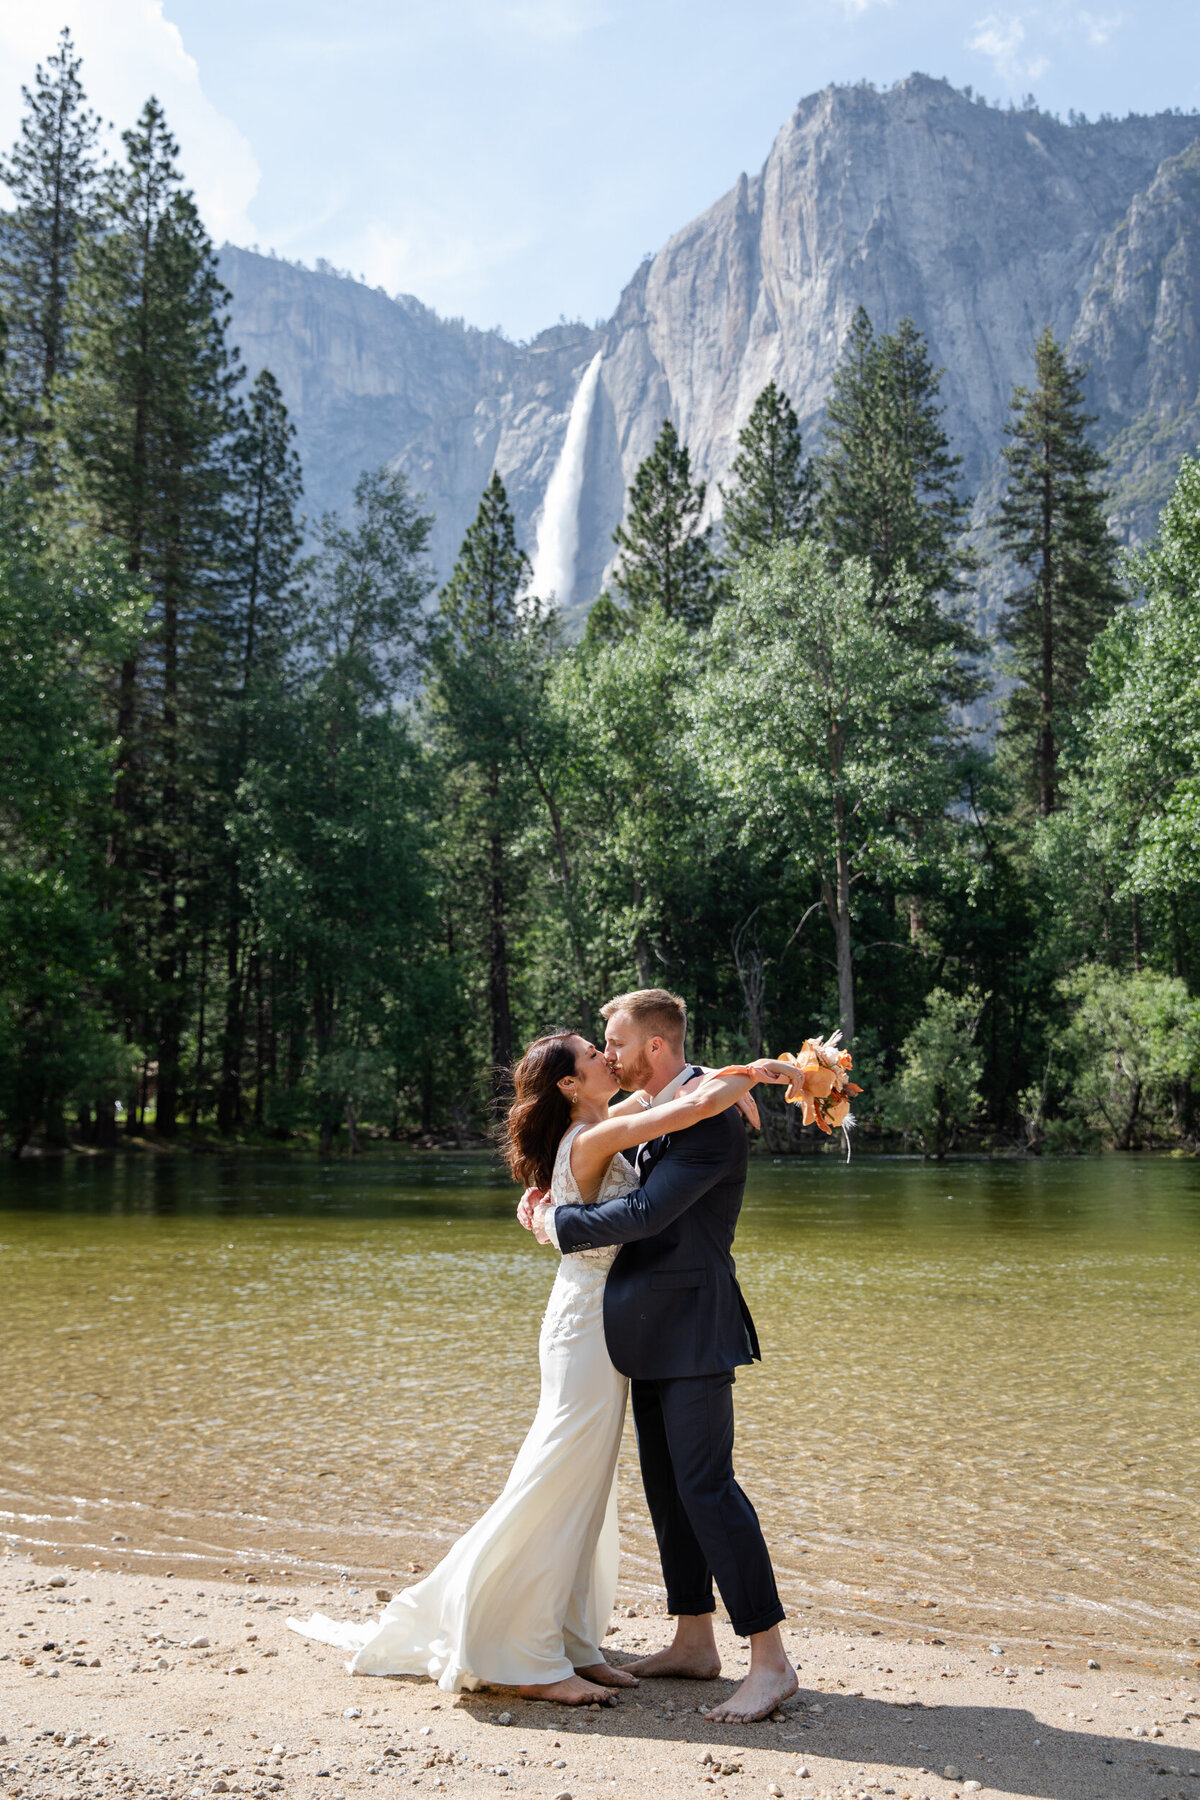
x=177, y=1688
x=382, y=1147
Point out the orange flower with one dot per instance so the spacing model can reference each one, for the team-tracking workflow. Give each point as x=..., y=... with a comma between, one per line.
x=837, y=1110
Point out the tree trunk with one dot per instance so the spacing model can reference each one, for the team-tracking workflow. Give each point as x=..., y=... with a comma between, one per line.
x=1046, y=747
x=229, y=1096
x=1135, y=1107
x=170, y=1030
x=837, y=906
x=751, y=969
x=427, y=1096
x=641, y=949
x=198, y=1078
x=259, y=1046
x=498, y=1001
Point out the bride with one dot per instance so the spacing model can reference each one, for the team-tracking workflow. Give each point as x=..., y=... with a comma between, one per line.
x=524, y=1597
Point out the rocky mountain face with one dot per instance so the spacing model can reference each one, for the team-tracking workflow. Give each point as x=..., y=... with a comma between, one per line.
x=983, y=225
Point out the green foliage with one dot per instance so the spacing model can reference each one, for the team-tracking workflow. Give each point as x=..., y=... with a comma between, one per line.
x=62, y=623
x=330, y=826
x=1132, y=1044
x=486, y=702
x=51, y=174
x=666, y=556
x=822, y=731
x=260, y=603
x=889, y=482
x=935, y=1096
x=1052, y=523
x=147, y=418
x=284, y=847
x=773, y=492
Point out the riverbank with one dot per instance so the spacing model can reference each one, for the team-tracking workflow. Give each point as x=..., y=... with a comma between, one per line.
x=174, y=1689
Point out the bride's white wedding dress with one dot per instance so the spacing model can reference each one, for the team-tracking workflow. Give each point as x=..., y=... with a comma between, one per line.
x=525, y=1596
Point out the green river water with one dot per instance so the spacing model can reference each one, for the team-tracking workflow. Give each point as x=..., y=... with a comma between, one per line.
x=978, y=1413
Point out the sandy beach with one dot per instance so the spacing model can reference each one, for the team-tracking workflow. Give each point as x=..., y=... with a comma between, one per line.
x=122, y=1684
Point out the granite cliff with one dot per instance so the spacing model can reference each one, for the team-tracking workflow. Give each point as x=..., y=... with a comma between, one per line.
x=981, y=224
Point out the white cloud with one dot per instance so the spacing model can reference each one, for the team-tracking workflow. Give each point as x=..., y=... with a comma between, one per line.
x=447, y=268
x=854, y=9
x=1098, y=28
x=129, y=52
x=1001, y=37
x=554, y=21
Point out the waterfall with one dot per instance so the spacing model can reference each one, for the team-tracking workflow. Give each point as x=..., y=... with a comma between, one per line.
x=558, y=533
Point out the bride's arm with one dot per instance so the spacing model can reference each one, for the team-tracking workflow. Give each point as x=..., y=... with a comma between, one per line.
x=632, y=1106
x=596, y=1145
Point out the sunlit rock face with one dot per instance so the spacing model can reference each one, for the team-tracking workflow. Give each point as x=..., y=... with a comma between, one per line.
x=983, y=225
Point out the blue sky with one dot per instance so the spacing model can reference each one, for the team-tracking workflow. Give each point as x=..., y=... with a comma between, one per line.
x=512, y=160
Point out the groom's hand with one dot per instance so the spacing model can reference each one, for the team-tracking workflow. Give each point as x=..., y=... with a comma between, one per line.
x=529, y=1199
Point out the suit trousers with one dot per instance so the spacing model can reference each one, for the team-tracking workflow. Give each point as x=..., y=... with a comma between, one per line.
x=705, y=1525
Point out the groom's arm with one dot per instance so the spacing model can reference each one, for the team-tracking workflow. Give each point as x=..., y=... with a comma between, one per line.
x=677, y=1182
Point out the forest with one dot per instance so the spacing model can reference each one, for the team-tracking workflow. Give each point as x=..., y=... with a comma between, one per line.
x=296, y=847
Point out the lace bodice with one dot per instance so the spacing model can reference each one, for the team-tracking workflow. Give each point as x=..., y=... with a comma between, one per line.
x=619, y=1178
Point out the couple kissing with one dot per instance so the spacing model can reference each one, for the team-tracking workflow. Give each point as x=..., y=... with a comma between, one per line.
x=641, y=1198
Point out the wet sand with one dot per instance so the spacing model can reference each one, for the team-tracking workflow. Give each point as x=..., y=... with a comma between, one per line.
x=126, y=1685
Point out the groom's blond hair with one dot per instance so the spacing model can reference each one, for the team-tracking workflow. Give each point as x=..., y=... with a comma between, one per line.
x=655, y=1012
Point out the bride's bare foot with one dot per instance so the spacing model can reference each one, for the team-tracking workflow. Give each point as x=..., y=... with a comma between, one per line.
x=762, y=1691
x=573, y=1691
x=607, y=1676
x=684, y=1661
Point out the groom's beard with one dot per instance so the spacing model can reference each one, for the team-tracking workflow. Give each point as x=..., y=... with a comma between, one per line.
x=635, y=1072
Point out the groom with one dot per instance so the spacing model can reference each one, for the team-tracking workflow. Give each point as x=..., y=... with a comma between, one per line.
x=675, y=1322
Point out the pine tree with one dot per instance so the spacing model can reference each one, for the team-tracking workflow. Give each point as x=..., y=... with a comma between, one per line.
x=774, y=489
x=482, y=624
x=666, y=556
x=265, y=547
x=479, y=602
x=1052, y=523
x=889, y=480
x=146, y=422
x=51, y=173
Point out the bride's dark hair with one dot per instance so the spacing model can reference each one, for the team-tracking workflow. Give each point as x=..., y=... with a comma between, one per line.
x=540, y=1112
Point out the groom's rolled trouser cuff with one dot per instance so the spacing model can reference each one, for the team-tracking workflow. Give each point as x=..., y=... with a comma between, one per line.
x=704, y=1523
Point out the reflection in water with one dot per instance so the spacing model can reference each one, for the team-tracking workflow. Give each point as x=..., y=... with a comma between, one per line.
x=980, y=1387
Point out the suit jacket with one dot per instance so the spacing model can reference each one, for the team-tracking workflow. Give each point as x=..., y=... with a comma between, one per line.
x=672, y=1305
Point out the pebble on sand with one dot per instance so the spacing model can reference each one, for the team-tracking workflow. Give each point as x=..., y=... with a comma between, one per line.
x=950, y=1773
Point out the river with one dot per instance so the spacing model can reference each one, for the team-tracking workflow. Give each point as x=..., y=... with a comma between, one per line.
x=978, y=1411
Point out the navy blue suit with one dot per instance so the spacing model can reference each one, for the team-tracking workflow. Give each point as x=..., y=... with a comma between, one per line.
x=675, y=1322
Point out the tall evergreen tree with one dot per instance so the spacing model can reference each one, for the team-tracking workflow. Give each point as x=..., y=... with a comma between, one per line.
x=666, y=556
x=51, y=173
x=889, y=479
x=147, y=423
x=771, y=498
x=1052, y=523
x=331, y=828
x=482, y=622
x=264, y=551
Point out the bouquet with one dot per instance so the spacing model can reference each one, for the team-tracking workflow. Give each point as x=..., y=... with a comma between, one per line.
x=828, y=1089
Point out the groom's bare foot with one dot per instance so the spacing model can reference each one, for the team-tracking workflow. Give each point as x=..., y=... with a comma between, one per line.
x=607, y=1676
x=685, y=1662
x=762, y=1691
x=573, y=1691
x=691, y=1656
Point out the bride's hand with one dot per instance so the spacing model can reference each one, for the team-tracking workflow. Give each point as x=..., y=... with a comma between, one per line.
x=525, y=1205
x=748, y=1107
x=781, y=1073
